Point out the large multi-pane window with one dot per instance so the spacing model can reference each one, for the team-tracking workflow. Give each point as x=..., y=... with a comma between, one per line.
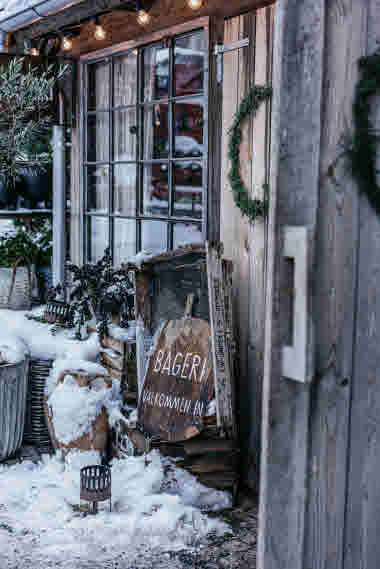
x=145, y=156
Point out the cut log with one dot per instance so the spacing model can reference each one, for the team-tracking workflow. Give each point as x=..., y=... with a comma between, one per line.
x=110, y=358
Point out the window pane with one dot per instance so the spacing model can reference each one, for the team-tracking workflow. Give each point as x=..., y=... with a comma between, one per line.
x=97, y=237
x=156, y=72
x=125, y=189
x=98, y=137
x=189, y=54
x=154, y=235
x=185, y=233
x=156, y=132
x=188, y=128
x=124, y=240
x=187, y=185
x=125, y=80
x=125, y=135
x=98, y=86
x=98, y=188
x=155, y=189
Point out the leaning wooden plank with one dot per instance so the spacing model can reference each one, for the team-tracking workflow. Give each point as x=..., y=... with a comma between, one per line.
x=223, y=380
x=199, y=446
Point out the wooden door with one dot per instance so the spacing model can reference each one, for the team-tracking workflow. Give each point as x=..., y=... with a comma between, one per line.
x=244, y=243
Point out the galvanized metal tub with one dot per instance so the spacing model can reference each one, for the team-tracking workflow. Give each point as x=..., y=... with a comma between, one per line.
x=13, y=389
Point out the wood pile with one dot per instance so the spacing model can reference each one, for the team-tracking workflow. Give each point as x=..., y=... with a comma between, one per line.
x=119, y=359
x=213, y=460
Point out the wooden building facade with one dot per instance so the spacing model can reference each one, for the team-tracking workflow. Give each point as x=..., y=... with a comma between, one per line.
x=311, y=445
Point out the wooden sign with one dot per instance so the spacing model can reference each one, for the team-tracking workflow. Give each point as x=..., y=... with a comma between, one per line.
x=179, y=382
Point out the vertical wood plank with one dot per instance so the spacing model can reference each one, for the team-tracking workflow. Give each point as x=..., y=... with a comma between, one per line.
x=224, y=388
x=215, y=109
x=238, y=75
x=257, y=245
x=294, y=178
x=362, y=548
x=335, y=286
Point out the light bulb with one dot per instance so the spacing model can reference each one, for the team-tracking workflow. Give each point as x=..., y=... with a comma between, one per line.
x=100, y=33
x=67, y=44
x=34, y=51
x=143, y=17
x=194, y=4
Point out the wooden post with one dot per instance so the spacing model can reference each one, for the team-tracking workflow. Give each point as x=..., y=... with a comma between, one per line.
x=59, y=204
x=294, y=187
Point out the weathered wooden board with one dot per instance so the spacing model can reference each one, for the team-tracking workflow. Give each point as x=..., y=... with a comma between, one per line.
x=179, y=382
x=294, y=192
x=362, y=544
x=335, y=289
x=224, y=388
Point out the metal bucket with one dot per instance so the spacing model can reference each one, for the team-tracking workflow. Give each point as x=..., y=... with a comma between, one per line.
x=13, y=388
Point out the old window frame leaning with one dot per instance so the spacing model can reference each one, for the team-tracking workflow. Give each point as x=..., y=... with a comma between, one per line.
x=109, y=54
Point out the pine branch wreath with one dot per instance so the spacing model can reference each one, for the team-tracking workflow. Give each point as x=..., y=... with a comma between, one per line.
x=364, y=144
x=252, y=208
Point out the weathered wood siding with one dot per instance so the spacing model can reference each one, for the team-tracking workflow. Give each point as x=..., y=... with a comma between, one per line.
x=243, y=243
x=320, y=489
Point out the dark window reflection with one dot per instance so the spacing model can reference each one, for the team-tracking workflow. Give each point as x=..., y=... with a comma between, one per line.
x=188, y=128
x=156, y=132
x=156, y=72
x=155, y=189
x=188, y=190
x=189, y=54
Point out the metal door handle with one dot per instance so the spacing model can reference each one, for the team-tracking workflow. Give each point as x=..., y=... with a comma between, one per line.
x=297, y=359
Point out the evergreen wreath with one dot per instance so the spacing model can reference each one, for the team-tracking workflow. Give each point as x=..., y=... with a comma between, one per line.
x=252, y=208
x=363, y=151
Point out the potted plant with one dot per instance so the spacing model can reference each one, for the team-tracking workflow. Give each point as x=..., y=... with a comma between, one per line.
x=18, y=254
x=13, y=390
x=100, y=292
x=25, y=119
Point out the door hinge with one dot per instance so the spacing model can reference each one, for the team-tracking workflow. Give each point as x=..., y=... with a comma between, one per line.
x=220, y=49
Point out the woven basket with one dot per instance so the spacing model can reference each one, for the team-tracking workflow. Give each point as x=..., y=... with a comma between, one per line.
x=16, y=286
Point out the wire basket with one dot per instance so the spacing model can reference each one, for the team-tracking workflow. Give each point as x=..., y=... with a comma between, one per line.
x=16, y=287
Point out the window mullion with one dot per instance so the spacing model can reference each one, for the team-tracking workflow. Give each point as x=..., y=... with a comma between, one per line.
x=110, y=158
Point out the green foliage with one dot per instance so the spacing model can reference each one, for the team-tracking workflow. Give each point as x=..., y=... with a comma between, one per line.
x=14, y=246
x=100, y=290
x=32, y=243
x=364, y=144
x=25, y=113
x=252, y=208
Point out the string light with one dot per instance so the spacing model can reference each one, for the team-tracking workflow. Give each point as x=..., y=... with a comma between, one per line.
x=143, y=17
x=100, y=33
x=67, y=44
x=194, y=4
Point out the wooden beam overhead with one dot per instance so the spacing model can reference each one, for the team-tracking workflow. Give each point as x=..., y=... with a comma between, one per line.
x=121, y=25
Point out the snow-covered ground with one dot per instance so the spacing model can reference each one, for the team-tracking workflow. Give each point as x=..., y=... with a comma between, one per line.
x=156, y=508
